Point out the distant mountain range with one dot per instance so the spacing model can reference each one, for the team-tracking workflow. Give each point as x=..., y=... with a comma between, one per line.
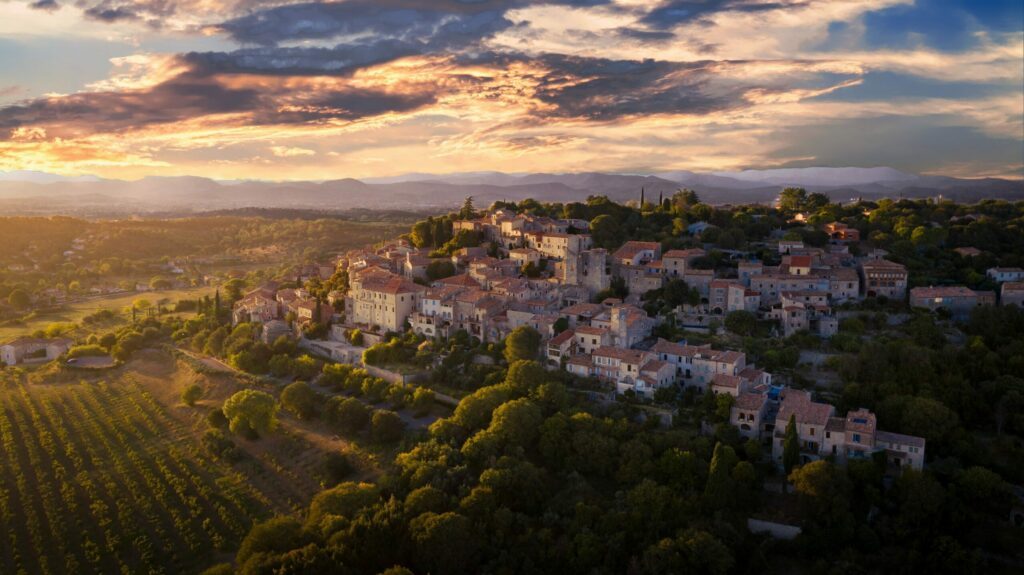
x=27, y=192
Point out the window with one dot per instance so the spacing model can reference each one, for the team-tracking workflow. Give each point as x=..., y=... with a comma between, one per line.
x=812, y=431
x=856, y=438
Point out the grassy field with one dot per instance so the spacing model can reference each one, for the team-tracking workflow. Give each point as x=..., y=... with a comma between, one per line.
x=110, y=475
x=74, y=312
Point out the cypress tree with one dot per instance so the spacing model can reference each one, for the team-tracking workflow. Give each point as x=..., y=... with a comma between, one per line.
x=790, y=446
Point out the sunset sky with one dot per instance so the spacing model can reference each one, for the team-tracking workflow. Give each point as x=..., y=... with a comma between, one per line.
x=312, y=90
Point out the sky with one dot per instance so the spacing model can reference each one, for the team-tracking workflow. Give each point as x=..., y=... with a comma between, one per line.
x=283, y=90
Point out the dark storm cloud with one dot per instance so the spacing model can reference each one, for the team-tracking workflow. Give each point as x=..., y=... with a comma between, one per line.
x=116, y=14
x=277, y=61
x=365, y=22
x=90, y=112
x=197, y=94
x=616, y=88
x=600, y=89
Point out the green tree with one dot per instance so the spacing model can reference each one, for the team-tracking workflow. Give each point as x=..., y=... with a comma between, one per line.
x=345, y=500
x=440, y=269
x=718, y=491
x=561, y=324
x=422, y=401
x=19, y=299
x=741, y=322
x=424, y=499
x=522, y=343
x=299, y=398
x=790, y=446
x=275, y=535
x=467, y=212
x=386, y=426
x=524, y=375
x=606, y=232
x=191, y=394
x=723, y=407
x=347, y=414
x=517, y=422
x=693, y=551
x=824, y=489
x=792, y=199
x=445, y=542
x=251, y=412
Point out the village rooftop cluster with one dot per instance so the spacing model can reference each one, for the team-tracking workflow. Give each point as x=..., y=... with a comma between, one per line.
x=611, y=339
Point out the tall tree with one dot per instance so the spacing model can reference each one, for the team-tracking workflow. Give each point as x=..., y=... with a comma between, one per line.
x=522, y=343
x=790, y=446
x=467, y=212
x=216, y=305
x=251, y=412
x=718, y=491
x=792, y=199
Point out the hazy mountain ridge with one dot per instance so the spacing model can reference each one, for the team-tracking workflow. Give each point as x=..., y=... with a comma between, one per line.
x=424, y=191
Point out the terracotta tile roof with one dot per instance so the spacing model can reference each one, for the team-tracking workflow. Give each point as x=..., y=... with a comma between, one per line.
x=582, y=360
x=1013, y=286
x=588, y=330
x=942, y=292
x=630, y=249
x=459, y=280
x=729, y=356
x=391, y=284
x=749, y=401
x=583, y=309
x=890, y=437
x=563, y=337
x=684, y=254
x=752, y=374
x=729, y=381
x=654, y=365
x=443, y=292
x=836, y=425
x=676, y=349
x=471, y=296
x=633, y=356
x=799, y=403
x=882, y=265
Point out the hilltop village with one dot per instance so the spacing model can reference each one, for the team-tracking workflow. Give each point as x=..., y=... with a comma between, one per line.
x=612, y=312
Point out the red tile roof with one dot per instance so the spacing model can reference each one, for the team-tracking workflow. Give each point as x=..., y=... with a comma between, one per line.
x=629, y=250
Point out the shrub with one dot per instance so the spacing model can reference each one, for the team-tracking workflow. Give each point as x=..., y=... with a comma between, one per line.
x=386, y=426
x=217, y=419
x=251, y=412
x=90, y=350
x=300, y=399
x=220, y=445
x=348, y=415
x=422, y=401
x=336, y=468
x=191, y=394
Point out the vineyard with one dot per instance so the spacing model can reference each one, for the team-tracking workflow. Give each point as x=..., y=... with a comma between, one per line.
x=101, y=478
